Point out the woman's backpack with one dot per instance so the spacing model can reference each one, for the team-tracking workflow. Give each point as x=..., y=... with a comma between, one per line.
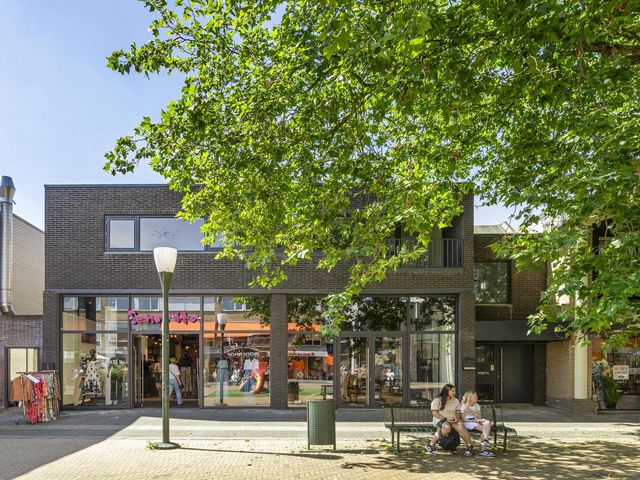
x=450, y=442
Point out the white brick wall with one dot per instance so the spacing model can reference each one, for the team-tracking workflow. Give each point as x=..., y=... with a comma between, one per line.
x=28, y=268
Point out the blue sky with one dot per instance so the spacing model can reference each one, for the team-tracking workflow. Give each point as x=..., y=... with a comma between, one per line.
x=62, y=108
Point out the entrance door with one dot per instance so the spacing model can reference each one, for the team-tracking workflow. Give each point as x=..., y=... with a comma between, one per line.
x=517, y=373
x=387, y=371
x=354, y=378
x=486, y=372
x=138, y=368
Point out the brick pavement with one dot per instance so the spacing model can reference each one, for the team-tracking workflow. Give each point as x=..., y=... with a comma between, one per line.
x=121, y=459
x=256, y=444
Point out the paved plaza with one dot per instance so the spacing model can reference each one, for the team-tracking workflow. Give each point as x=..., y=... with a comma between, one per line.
x=265, y=444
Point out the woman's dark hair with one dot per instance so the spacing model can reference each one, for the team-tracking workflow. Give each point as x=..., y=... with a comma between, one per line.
x=444, y=394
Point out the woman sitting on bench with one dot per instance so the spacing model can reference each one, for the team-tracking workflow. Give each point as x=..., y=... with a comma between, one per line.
x=446, y=415
x=473, y=421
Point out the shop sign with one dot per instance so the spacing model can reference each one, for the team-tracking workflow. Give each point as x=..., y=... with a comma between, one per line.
x=620, y=372
x=178, y=317
x=307, y=353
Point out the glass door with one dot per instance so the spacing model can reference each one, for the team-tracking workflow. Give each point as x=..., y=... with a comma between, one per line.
x=354, y=376
x=138, y=369
x=486, y=374
x=387, y=371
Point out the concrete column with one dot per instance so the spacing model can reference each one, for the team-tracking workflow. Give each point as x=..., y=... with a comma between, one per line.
x=278, y=361
x=581, y=371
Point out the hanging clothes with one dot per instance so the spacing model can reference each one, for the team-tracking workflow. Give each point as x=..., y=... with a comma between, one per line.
x=41, y=394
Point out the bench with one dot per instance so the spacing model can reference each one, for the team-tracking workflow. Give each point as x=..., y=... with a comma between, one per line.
x=419, y=420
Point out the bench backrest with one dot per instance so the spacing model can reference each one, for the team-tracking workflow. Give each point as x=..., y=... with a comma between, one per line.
x=407, y=416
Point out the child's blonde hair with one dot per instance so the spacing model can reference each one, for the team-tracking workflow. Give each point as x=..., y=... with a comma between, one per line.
x=467, y=395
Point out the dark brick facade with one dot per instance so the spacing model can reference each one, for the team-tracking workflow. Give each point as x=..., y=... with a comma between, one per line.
x=76, y=264
x=507, y=323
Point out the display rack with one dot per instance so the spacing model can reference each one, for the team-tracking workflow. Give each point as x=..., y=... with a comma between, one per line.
x=43, y=405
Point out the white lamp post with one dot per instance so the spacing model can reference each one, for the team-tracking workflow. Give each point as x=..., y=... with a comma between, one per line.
x=165, y=258
x=223, y=365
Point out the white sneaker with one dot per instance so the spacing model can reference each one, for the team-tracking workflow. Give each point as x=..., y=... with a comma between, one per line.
x=486, y=453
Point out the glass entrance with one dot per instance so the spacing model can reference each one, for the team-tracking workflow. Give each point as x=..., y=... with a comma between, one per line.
x=354, y=371
x=387, y=371
x=486, y=374
x=147, y=355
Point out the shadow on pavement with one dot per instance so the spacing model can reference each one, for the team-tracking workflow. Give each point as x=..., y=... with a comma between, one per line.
x=525, y=460
x=315, y=455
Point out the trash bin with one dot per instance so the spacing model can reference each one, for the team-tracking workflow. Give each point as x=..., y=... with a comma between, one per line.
x=321, y=423
x=293, y=391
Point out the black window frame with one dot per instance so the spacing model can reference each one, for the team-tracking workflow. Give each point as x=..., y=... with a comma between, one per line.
x=507, y=264
x=136, y=235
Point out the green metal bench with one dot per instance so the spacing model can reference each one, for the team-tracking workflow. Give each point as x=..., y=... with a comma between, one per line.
x=499, y=427
x=419, y=420
x=407, y=420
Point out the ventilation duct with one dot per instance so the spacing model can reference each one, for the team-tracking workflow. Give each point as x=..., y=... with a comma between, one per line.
x=7, y=191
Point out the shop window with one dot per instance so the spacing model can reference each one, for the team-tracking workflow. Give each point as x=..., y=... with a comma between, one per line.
x=376, y=314
x=432, y=365
x=236, y=369
x=310, y=369
x=432, y=313
x=492, y=282
x=95, y=313
x=245, y=313
x=95, y=369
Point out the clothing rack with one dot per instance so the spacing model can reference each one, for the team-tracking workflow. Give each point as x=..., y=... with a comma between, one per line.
x=45, y=412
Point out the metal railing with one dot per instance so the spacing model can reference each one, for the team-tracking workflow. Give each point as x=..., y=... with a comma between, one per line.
x=441, y=253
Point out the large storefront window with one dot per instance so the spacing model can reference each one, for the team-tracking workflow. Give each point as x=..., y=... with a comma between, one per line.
x=95, y=369
x=95, y=313
x=310, y=369
x=433, y=354
x=616, y=375
x=236, y=354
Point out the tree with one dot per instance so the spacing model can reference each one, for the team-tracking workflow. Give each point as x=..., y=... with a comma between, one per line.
x=312, y=129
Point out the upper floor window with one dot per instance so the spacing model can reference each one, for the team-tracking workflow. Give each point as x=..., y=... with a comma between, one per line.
x=492, y=282
x=138, y=233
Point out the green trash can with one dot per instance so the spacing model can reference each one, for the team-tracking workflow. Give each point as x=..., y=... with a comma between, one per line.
x=321, y=423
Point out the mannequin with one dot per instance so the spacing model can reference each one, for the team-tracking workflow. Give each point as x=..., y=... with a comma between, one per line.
x=92, y=385
x=187, y=373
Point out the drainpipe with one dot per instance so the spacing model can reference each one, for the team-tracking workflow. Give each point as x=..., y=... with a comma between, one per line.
x=7, y=191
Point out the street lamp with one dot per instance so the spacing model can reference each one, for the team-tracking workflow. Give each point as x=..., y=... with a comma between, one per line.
x=222, y=364
x=165, y=258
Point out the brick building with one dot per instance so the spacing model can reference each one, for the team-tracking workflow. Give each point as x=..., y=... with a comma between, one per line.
x=425, y=325
x=21, y=284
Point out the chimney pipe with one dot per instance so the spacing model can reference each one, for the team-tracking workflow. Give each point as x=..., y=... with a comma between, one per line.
x=7, y=191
